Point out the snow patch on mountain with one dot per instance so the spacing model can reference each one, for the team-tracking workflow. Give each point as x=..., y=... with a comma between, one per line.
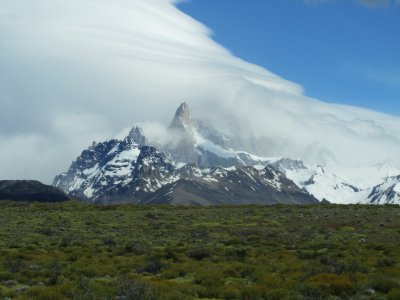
x=386, y=193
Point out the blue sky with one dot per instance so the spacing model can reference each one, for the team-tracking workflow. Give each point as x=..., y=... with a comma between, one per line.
x=340, y=51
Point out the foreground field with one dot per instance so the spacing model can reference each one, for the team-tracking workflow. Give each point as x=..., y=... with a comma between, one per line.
x=75, y=251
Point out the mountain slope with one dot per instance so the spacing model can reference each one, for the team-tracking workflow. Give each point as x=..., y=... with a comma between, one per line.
x=386, y=193
x=122, y=171
x=342, y=185
x=237, y=185
x=31, y=191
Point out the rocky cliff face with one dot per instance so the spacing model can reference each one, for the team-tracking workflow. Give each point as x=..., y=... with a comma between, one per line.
x=197, y=143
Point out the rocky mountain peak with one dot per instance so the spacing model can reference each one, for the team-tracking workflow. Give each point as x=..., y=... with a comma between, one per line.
x=182, y=117
x=136, y=135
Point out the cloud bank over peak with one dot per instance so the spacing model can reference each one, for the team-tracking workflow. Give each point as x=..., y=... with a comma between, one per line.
x=73, y=71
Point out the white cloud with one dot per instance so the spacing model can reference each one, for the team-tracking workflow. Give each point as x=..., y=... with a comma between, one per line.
x=72, y=71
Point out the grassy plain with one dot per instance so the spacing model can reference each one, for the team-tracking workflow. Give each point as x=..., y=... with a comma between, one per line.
x=77, y=251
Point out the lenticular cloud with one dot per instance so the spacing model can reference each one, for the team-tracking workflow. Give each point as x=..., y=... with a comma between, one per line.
x=73, y=71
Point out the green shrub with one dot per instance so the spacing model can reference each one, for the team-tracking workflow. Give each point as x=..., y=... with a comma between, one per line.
x=394, y=294
x=170, y=254
x=130, y=289
x=333, y=283
x=384, y=285
x=229, y=293
x=277, y=294
x=14, y=264
x=198, y=253
x=109, y=241
x=385, y=262
x=137, y=248
x=44, y=293
x=153, y=266
x=306, y=254
x=208, y=278
x=170, y=274
x=251, y=293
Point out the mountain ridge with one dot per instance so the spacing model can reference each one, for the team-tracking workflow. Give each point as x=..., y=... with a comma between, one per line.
x=131, y=170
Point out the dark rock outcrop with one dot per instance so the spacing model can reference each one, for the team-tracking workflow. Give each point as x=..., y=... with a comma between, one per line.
x=31, y=191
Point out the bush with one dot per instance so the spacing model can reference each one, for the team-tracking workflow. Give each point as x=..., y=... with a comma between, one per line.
x=198, y=253
x=14, y=264
x=44, y=293
x=385, y=262
x=170, y=274
x=394, y=294
x=277, y=294
x=66, y=241
x=384, y=284
x=153, y=267
x=109, y=241
x=251, y=293
x=130, y=289
x=230, y=293
x=137, y=248
x=240, y=253
x=208, y=278
x=335, y=284
x=170, y=254
x=306, y=254
x=313, y=292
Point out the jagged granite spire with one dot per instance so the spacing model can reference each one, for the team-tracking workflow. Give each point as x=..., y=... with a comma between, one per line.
x=182, y=117
x=137, y=135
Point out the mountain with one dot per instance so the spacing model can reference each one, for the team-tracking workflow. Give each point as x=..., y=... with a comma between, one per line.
x=341, y=185
x=204, y=145
x=116, y=171
x=127, y=171
x=31, y=191
x=386, y=193
x=236, y=185
x=204, y=165
x=320, y=182
x=207, y=146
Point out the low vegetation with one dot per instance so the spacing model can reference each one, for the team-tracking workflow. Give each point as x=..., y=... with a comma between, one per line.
x=77, y=251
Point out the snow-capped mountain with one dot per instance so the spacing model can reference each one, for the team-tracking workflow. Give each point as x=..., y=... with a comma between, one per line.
x=386, y=193
x=200, y=165
x=120, y=171
x=117, y=171
x=342, y=185
x=203, y=145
